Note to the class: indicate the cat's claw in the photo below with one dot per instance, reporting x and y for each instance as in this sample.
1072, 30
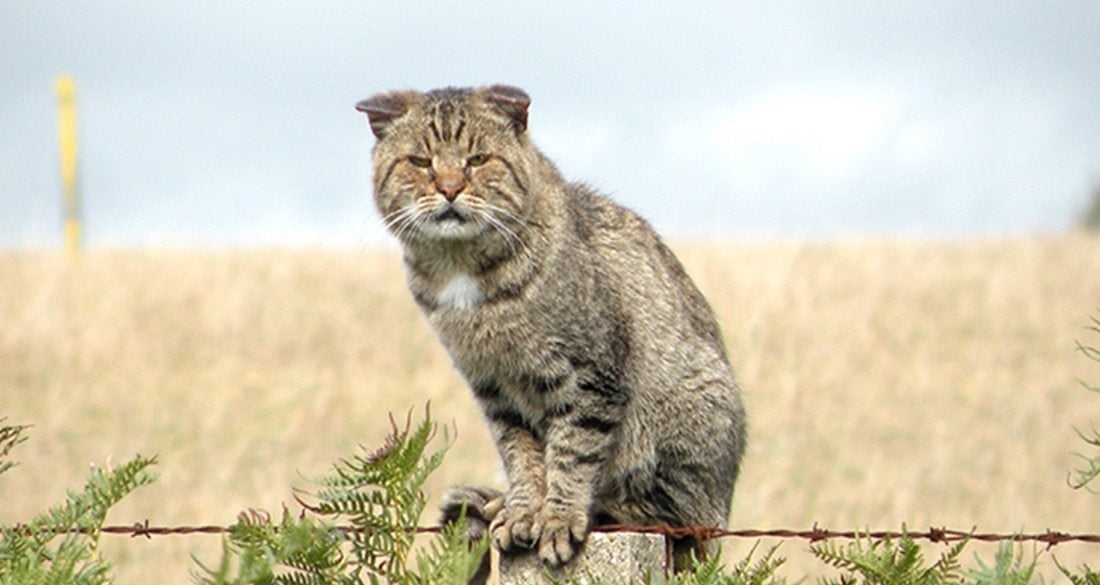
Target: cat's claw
513, 528
560, 535
556, 533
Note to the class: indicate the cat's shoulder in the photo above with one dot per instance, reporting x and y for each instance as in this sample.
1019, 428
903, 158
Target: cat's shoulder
599, 219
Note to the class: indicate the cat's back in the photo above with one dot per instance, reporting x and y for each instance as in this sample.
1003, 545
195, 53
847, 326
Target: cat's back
648, 276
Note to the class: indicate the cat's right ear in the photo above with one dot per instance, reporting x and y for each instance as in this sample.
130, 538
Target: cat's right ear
383, 109
513, 101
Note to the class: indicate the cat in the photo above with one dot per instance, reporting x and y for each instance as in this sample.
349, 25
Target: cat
598, 364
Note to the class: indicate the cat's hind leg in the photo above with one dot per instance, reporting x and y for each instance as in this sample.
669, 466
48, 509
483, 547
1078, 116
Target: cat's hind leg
481, 506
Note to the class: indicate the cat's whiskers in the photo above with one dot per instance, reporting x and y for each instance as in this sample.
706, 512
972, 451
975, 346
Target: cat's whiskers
538, 234
515, 217
391, 220
400, 220
486, 210
502, 211
392, 217
407, 220
423, 210
511, 239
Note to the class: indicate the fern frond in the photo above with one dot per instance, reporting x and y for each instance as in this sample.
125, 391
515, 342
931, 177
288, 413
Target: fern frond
1082, 477
828, 552
948, 569
1085, 576
763, 570
889, 561
449, 558
10, 436
1007, 569
59, 545
379, 493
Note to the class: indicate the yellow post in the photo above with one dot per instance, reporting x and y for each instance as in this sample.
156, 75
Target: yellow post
66, 117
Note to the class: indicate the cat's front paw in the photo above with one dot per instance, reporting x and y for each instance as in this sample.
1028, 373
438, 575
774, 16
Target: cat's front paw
560, 533
513, 527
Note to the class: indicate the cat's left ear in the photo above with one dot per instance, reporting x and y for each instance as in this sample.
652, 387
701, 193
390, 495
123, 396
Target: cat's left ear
513, 101
383, 109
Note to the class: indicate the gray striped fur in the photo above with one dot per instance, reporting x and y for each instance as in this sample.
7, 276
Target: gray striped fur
598, 364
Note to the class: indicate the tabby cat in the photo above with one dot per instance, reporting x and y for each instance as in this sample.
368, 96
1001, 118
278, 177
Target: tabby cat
598, 364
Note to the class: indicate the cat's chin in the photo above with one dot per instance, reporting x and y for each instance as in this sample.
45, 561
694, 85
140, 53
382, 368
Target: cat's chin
451, 229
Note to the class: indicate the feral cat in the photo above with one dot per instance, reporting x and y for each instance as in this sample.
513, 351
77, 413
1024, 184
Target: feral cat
598, 364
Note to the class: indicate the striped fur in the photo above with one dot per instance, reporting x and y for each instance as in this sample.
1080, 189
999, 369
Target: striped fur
598, 364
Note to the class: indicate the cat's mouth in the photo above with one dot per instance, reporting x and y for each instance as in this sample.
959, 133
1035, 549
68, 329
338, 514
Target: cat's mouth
451, 223
449, 214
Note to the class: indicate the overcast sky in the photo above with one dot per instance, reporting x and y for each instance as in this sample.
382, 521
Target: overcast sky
213, 123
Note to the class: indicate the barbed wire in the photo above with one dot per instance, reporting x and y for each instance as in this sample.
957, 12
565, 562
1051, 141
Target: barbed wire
815, 534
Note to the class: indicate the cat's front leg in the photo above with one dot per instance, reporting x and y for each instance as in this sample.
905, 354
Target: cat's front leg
578, 446
514, 526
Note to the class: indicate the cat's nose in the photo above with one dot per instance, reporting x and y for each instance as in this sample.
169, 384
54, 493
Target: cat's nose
450, 185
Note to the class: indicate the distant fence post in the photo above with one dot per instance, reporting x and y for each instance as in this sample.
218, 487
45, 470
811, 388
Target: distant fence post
608, 557
66, 125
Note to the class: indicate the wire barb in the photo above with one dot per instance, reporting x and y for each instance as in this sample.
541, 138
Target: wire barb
816, 533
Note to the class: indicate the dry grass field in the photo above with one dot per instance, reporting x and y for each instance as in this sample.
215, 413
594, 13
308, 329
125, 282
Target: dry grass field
931, 383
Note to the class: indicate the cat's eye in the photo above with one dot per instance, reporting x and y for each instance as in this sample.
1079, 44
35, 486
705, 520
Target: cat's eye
419, 161
477, 160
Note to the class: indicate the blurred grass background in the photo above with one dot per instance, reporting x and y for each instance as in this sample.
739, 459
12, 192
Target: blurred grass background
888, 381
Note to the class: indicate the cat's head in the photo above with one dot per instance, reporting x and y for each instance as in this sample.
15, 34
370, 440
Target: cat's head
451, 164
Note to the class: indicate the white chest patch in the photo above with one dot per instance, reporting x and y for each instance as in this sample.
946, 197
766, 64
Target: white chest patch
460, 293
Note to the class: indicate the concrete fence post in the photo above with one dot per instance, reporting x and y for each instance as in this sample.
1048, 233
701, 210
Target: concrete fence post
612, 557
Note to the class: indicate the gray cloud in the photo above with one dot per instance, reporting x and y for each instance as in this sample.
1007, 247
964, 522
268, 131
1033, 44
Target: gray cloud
214, 124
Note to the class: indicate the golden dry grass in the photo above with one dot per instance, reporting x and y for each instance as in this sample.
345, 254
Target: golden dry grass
888, 382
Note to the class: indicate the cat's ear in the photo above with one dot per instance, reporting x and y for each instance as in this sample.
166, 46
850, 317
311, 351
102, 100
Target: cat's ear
383, 109
513, 101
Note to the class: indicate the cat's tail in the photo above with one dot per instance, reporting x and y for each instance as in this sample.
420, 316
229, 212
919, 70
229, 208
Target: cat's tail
481, 506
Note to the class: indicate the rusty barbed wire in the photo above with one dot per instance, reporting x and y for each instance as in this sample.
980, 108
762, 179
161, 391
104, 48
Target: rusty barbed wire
815, 534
